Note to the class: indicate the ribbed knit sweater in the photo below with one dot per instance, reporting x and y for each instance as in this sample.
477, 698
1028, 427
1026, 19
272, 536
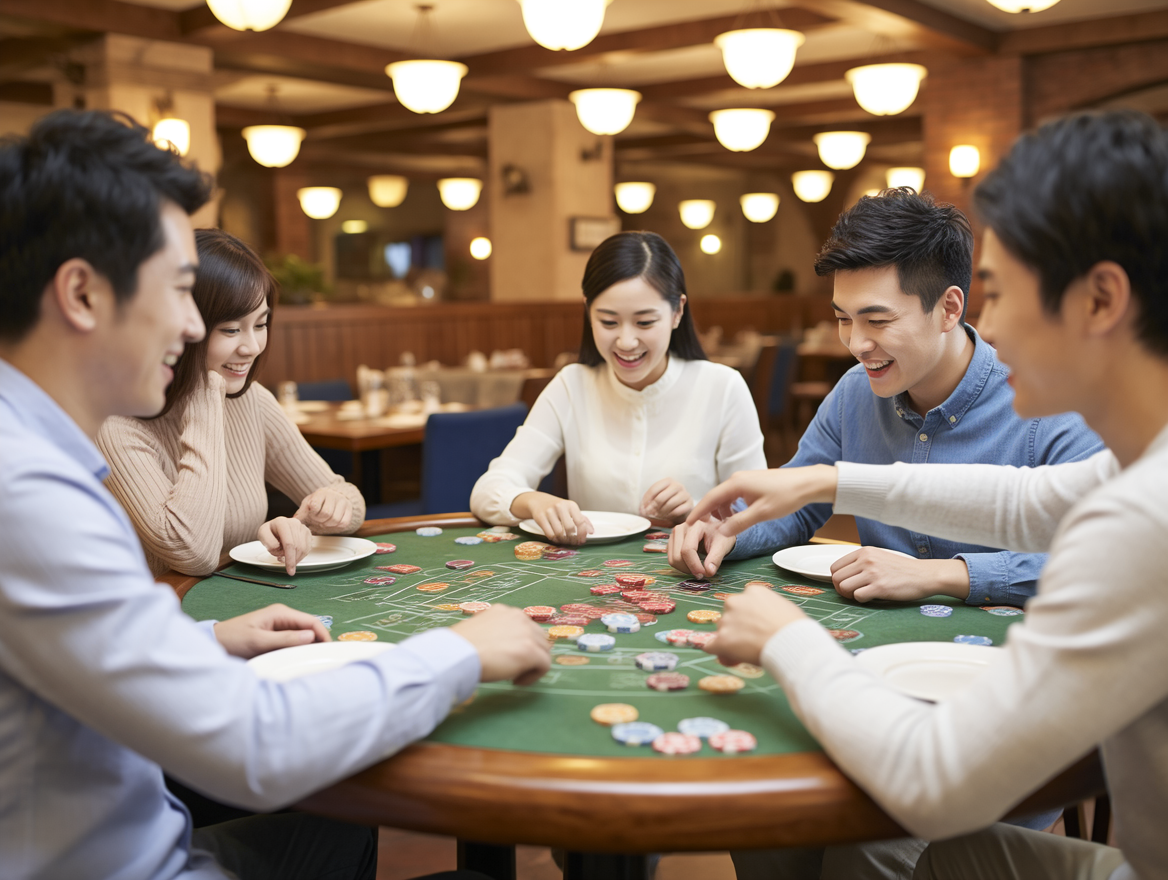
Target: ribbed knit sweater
193, 480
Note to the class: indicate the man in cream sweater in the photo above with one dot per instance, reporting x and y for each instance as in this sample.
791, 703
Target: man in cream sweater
1076, 302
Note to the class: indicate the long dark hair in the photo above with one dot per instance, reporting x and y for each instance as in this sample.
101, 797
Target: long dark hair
638, 255
231, 283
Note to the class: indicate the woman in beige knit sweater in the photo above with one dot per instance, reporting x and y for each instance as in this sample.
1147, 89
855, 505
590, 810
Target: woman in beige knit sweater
192, 478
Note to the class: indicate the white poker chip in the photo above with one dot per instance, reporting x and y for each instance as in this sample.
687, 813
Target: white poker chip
656, 661
468, 540
594, 643
429, 531
702, 726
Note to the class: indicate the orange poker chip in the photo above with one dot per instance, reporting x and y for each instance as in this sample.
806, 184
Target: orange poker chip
844, 635
747, 670
529, 551
704, 615
766, 584
436, 587
361, 635
799, 590
722, 684
722, 596
614, 713
448, 606
572, 660
474, 607
564, 631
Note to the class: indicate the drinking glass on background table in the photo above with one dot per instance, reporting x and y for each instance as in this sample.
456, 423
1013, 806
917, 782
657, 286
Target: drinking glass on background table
288, 396
431, 396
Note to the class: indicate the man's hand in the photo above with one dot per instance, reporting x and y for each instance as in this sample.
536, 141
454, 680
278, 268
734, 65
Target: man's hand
749, 619
325, 509
286, 539
511, 646
872, 573
276, 626
561, 520
768, 494
686, 543
666, 502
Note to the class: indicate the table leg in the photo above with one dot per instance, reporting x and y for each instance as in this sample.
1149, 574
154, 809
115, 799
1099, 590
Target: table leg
497, 862
606, 866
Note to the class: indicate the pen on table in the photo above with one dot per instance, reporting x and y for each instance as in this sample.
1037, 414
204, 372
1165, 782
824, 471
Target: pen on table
236, 577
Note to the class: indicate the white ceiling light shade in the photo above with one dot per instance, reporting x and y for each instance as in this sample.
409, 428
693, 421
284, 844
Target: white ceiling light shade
886, 89
1023, 5
842, 149
906, 176
710, 244
355, 227
387, 190
563, 24
249, 15
605, 111
696, 213
741, 129
319, 202
460, 193
759, 58
635, 197
480, 247
812, 186
273, 146
426, 86
171, 132
964, 161
759, 207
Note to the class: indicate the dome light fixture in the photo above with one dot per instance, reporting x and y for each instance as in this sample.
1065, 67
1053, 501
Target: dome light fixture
319, 202
355, 227
759, 207
812, 186
460, 193
563, 24
273, 146
907, 176
249, 15
172, 133
635, 197
759, 58
426, 85
741, 129
480, 247
886, 89
387, 190
1023, 5
696, 213
842, 149
710, 244
605, 111
964, 161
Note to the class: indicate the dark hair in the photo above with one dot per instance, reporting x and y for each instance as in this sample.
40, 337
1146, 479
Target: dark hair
1084, 189
85, 185
232, 282
930, 244
643, 255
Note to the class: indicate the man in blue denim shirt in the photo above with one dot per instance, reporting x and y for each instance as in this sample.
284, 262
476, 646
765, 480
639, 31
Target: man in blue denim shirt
927, 389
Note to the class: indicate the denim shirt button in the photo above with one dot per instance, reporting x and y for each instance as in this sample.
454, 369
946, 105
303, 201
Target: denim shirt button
924, 438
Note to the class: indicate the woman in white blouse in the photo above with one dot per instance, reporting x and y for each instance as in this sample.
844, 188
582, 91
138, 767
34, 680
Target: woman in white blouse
645, 422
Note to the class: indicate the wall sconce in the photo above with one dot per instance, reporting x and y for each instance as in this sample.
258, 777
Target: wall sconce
480, 247
515, 180
696, 213
319, 202
964, 161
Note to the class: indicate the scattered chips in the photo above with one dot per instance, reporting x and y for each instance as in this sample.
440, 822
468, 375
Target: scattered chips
1002, 610
573, 660
434, 587
381, 580
704, 615
637, 595
679, 637
539, 613
635, 580
722, 684
973, 640
668, 681
663, 636
636, 733
383, 548
658, 606
468, 540
702, 726
936, 610
460, 564
604, 589
800, 590
474, 607
845, 635
565, 631
731, 742
429, 531
401, 568
612, 713
656, 661
360, 635
595, 643
677, 744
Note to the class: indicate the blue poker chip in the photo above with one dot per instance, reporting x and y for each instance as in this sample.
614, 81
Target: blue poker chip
936, 610
621, 623
663, 636
594, 643
429, 531
973, 640
326, 620
656, 661
636, 733
702, 726
468, 540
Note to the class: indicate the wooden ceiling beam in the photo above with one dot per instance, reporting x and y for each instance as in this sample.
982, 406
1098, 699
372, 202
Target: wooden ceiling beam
27, 93
911, 20
99, 16
1094, 33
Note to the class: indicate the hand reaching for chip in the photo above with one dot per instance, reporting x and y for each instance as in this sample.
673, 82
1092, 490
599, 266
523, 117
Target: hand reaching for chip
561, 520
666, 502
511, 646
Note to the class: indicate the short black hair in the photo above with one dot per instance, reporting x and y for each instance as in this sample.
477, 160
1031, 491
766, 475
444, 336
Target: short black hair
1081, 190
89, 185
638, 255
930, 244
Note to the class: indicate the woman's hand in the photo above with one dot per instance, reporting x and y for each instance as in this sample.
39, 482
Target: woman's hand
287, 539
325, 510
561, 520
667, 502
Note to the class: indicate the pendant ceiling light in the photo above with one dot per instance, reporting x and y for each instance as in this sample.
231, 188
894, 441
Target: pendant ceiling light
480, 247
842, 149
319, 202
171, 133
759, 207
741, 129
635, 197
710, 244
387, 190
605, 111
886, 89
912, 177
1023, 5
696, 213
460, 193
759, 58
563, 24
273, 146
426, 86
812, 186
249, 15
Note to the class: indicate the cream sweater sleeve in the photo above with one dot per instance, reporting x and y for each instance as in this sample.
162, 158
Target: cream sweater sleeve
292, 466
177, 506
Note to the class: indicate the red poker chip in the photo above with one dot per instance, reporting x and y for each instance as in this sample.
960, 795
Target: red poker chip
733, 741
589, 573
617, 563
658, 606
400, 568
576, 608
568, 620
680, 637
604, 589
539, 612
631, 580
637, 595
383, 548
677, 744
844, 635
700, 639
668, 681
801, 590
646, 619
657, 536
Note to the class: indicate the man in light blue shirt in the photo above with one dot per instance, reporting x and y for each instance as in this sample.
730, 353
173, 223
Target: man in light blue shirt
103, 680
927, 389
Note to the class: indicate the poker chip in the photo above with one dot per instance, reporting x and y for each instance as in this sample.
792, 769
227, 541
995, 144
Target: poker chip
539, 613
658, 606
428, 531
657, 536
702, 726
468, 540
381, 580
668, 681
845, 635
621, 623
383, 548
749, 670
529, 551
589, 573
617, 563
448, 606
636, 733
700, 639
613, 713
656, 661
565, 631
766, 584
557, 553
572, 660
576, 608
604, 589
677, 744
639, 595
326, 620
472, 576
474, 607
595, 643
704, 615
460, 564
646, 619
360, 635
722, 684
973, 640
722, 596
655, 548
591, 612
802, 591
400, 568
731, 742
679, 637
695, 586
663, 636
434, 587
634, 580
569, 620
936, 610
1002, 610
496, 537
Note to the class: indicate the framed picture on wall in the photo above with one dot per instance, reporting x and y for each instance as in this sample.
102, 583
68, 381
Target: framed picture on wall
587, 232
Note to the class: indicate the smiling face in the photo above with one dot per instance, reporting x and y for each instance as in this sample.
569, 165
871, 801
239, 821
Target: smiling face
632, 325
233, 346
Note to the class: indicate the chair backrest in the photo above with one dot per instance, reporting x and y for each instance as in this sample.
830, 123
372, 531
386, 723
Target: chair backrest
782, 375
457, 450
760, 381
330, 389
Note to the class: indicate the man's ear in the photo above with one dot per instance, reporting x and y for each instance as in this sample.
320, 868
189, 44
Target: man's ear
79, 293
1106, 298
952, 304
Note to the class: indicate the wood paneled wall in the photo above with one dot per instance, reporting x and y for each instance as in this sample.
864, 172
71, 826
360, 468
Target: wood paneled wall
310, 344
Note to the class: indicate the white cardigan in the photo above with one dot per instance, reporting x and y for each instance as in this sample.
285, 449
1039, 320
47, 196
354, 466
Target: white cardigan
697, 423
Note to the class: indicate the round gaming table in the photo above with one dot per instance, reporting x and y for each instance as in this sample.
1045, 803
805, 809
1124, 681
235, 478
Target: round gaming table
528, 766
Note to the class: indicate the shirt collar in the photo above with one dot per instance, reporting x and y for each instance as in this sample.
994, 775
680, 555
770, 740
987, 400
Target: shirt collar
968, 389
652, 392
41, 415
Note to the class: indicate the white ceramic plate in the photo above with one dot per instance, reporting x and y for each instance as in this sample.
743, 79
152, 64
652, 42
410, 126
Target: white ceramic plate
608, 526
327, 552
814, 560
288, 663
929, 670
